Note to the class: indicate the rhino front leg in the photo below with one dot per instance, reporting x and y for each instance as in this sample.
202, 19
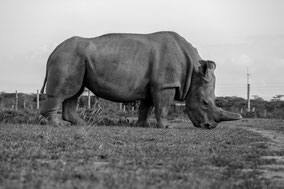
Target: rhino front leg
144, 110
162, 101
69, 111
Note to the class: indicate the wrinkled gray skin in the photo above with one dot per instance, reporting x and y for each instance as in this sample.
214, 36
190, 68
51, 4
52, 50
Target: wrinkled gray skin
153, 68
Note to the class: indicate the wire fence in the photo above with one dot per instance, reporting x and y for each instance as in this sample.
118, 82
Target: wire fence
17, 101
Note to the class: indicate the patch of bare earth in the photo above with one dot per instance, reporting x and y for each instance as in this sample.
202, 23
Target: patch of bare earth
274, 167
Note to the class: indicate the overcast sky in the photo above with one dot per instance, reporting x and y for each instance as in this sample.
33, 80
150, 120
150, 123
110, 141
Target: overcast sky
236, 34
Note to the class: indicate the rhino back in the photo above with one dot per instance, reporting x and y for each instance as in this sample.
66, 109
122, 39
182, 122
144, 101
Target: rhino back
123, 67
117, 68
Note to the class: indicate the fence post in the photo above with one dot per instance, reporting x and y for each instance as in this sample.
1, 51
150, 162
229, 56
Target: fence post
16, 101
24, 102
78, 103
37, 99
89, 99
132, 108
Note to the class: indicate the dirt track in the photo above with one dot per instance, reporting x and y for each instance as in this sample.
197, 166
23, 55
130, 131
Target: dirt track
243, 154
274, 170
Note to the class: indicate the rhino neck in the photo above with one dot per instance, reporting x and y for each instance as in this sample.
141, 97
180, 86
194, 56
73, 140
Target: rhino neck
190, 64
186, 80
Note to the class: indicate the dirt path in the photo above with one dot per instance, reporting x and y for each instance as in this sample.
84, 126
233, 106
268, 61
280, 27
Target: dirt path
275, 169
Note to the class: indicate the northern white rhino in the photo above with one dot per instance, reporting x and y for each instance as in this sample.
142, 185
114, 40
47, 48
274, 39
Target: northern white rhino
154, 68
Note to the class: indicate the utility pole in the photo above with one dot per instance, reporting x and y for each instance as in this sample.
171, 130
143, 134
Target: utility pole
89, 99
37, 99
24, 102
248, 90
16, 100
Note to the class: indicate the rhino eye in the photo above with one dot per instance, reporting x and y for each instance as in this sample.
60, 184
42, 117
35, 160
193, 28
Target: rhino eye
205, 103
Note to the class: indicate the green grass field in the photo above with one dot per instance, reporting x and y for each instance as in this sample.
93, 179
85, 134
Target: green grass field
230, 156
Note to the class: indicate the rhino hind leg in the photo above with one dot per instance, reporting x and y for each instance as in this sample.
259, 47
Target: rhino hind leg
162, 102
144, 110
50, 109
69, 111
64, 85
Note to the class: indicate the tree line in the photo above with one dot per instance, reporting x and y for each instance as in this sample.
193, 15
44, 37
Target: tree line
260, 108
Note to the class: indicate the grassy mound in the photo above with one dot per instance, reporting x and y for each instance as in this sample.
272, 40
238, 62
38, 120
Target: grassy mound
227, 157
21, 117
95, 117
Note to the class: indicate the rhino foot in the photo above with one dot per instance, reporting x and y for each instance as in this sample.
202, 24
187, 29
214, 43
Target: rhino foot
145, 124
162, 125
55, 121
79, 122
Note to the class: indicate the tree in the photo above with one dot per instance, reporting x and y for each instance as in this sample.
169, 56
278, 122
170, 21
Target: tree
277, 98
231, 103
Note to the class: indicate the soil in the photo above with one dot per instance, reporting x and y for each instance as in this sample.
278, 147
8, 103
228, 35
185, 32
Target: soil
275, 168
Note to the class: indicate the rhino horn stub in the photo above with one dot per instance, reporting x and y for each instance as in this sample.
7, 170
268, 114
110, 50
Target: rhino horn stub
228, 116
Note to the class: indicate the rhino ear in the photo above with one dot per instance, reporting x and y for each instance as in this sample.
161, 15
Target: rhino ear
205, 66
211, 64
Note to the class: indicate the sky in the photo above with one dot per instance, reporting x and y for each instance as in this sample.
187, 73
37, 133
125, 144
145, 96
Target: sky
239, 35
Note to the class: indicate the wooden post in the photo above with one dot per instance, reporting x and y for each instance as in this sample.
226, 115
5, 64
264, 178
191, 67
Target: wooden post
78, 101
89, 99
37, 99
120, 106
16, 101
24, 102
132, 108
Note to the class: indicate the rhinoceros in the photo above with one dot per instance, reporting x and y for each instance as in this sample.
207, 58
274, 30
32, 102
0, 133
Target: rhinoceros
154, 68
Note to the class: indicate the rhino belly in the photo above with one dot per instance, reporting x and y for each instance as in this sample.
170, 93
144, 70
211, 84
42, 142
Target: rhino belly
118, 85
118, 68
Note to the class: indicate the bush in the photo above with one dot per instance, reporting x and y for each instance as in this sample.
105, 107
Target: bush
100, 117
21, 117
94, 117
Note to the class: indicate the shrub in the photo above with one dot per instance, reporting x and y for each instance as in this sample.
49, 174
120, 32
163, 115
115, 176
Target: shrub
93, 117
21, 117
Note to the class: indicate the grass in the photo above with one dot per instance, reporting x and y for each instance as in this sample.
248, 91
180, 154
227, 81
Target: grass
93, 117
21, 117
276, 125
42, 156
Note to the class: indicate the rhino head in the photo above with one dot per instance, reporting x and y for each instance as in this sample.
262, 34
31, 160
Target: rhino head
200, 101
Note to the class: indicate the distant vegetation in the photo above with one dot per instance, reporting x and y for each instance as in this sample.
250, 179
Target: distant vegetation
104, 112
260, 108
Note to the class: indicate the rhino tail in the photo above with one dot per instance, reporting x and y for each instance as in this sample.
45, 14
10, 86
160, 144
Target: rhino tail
44, 83
45, 78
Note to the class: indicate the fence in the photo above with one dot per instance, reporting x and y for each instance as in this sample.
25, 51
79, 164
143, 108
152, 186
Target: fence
87, 100
20, 100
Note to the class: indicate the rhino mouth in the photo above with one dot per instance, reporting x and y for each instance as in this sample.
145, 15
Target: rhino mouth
211, 125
